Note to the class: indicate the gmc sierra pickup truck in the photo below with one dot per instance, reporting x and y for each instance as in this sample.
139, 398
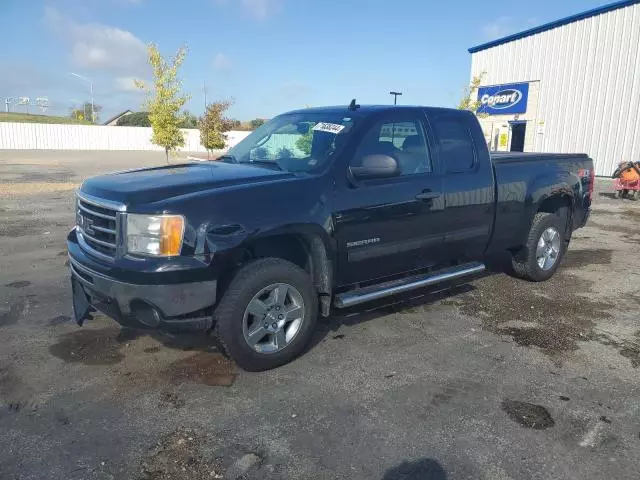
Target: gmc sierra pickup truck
317, 209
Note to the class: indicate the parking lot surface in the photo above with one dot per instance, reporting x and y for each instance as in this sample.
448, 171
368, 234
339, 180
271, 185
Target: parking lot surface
493, 379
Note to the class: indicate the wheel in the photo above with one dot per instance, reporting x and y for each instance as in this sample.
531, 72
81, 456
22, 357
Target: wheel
619, 194
267, 315
544, 248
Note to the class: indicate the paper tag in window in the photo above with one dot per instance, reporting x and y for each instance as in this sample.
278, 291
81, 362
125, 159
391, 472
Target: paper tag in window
328, 127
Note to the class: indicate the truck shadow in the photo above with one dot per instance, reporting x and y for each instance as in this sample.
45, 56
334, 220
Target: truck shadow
422, 469
411, 302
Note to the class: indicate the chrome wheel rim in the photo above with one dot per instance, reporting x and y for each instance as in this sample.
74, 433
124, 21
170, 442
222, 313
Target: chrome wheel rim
273, 318
548, 250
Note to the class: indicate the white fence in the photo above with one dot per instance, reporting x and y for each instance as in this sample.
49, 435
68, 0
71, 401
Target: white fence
40, 136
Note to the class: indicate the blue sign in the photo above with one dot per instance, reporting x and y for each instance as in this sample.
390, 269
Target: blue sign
504, 99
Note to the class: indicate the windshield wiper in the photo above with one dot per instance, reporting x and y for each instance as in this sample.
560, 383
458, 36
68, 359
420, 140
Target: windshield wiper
266, 163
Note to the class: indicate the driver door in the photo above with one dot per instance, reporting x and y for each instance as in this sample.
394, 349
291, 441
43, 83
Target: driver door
389, 226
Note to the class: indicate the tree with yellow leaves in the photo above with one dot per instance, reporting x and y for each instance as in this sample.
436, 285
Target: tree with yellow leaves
469, 100
165, 99
214, 124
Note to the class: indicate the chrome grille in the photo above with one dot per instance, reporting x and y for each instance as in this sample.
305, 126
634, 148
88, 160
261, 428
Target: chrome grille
97, 223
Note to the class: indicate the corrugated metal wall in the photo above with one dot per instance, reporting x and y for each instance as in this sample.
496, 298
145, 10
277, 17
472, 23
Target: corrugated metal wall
589, 74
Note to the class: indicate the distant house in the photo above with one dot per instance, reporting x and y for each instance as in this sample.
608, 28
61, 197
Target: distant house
113, 121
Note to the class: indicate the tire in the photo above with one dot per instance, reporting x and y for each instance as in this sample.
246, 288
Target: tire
232, 315
525, 263
619, 194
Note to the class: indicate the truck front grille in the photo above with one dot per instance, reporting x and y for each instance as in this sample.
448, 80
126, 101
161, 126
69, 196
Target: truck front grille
97, 223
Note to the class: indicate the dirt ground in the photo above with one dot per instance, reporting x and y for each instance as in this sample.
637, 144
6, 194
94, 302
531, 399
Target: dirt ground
495, 379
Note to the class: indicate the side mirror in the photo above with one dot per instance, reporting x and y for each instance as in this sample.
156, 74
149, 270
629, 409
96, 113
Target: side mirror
376, 166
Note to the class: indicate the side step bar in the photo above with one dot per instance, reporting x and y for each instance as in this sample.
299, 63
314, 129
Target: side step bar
374, 292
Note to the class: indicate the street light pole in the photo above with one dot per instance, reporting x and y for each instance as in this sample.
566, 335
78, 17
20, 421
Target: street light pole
93, 113
395, 96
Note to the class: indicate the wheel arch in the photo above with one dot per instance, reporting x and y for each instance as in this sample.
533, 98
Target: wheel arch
307, 246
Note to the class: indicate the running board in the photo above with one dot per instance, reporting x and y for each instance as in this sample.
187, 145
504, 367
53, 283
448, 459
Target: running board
374, 292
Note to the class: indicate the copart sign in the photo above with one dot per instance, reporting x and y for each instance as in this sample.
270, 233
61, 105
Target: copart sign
504, 99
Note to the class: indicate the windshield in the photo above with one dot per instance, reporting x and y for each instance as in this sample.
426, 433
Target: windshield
294, 142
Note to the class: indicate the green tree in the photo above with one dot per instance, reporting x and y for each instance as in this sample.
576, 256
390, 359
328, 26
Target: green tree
165, 99
304, 142
470, 100
135, 119
214, 124
84, 112
256, 122
190, 120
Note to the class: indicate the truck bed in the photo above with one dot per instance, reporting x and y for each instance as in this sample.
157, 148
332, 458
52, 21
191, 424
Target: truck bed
509, 157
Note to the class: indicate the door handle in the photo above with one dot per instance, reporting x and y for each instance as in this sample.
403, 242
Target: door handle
428, 195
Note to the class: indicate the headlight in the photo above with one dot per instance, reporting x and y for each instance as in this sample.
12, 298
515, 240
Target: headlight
158, 235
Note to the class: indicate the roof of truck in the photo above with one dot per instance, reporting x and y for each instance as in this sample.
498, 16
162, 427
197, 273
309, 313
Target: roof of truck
362, 109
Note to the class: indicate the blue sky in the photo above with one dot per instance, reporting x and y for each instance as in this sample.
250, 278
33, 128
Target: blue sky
268, 55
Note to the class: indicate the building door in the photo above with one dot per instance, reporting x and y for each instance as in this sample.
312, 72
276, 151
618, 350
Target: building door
518, 130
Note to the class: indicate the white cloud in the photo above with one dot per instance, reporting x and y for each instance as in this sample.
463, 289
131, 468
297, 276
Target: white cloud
500, 27
257, 9
221, 62
99, 47
126, 84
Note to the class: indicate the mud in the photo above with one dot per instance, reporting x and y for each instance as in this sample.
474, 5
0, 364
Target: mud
180, 456
627, 348
211, 369
584, 258
631, 214
89, 347
615, 228
19, 284
528, 415
558, 310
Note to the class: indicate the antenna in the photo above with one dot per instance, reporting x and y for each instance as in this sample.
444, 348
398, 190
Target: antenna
353, 106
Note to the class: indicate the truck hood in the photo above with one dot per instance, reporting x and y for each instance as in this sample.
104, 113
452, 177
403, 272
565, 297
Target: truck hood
149, 185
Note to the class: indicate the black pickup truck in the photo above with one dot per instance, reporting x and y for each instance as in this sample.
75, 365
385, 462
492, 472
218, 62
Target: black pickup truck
317, 209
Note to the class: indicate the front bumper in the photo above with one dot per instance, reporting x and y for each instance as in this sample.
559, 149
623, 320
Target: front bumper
181, 305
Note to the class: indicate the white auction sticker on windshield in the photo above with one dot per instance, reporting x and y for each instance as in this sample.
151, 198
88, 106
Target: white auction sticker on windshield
328, 127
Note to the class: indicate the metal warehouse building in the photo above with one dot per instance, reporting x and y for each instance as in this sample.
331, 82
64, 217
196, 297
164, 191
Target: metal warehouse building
568, 86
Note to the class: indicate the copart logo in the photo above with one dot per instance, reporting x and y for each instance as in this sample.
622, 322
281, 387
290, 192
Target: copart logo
502, 99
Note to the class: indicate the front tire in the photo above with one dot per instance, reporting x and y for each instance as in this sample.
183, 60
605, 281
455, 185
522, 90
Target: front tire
267, 315
544, 248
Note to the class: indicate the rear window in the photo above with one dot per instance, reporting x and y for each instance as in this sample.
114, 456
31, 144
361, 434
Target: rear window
456, 144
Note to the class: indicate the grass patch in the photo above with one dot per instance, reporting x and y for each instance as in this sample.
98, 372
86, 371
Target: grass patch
34, 118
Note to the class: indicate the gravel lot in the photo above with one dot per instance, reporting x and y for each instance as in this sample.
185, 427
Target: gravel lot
495, 379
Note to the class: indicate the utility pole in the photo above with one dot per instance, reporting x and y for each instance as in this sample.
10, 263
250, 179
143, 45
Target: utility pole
93, 113
395, 96
204, 117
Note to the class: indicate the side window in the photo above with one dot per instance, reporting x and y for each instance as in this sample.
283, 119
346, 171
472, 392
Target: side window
403, 140
456, 144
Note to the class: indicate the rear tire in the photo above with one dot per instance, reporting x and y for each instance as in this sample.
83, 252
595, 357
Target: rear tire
259, 282
544, 248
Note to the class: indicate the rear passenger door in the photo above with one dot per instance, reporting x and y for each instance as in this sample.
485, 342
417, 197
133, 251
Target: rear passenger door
389, 226
468, 183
